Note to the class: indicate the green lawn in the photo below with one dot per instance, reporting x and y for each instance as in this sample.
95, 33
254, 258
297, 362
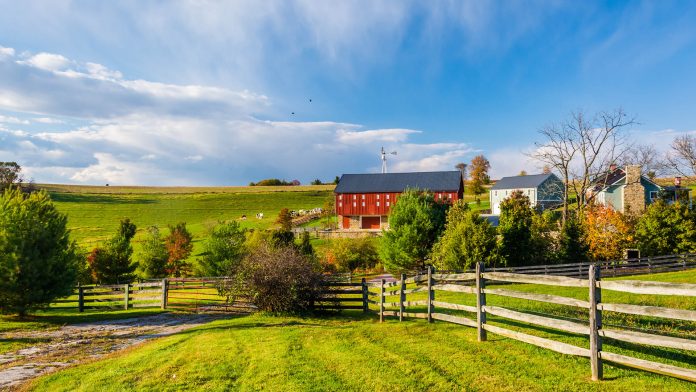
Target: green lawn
355, 352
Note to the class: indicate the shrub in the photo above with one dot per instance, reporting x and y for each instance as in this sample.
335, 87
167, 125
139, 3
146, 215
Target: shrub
281, 280
572, 247
153, 261
666, 229
349, 254
223, 250
415, 223
112, 263
284, 220
305, 247
467, 239
38, 262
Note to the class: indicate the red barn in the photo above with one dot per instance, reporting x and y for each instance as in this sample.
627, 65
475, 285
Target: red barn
363, 201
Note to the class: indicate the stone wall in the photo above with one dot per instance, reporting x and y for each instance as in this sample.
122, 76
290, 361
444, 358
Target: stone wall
633, 192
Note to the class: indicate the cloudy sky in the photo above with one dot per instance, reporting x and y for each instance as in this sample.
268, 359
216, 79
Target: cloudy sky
218, 93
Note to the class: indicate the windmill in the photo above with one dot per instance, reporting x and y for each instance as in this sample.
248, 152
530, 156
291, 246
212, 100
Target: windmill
384, 159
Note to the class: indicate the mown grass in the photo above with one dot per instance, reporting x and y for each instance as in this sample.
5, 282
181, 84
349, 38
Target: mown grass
352, 351
357, 353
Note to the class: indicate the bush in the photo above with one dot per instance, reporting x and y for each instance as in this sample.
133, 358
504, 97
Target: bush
572, 247
467, 239
516, 246
608, 232
415, 223
281, 280
38, 262
223, 250
349, 254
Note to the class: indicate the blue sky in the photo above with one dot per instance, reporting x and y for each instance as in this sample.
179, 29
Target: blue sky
202, 92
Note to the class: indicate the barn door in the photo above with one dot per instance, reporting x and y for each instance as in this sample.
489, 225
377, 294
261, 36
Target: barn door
370, 222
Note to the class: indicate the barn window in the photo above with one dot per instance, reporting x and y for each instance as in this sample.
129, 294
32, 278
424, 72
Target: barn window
377, 204
363, 204
340, 197
387, 197
363, 197
387, 204
340, 204
450, 195
377, 196
354, 196
355, 204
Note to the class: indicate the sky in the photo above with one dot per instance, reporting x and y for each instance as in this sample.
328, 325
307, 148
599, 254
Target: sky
228, 92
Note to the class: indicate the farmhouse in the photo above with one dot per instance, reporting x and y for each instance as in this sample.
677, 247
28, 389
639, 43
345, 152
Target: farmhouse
543, 190
628, 191
363, 201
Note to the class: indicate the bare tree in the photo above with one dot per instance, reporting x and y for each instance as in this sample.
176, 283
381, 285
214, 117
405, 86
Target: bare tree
582, 149
682, 157
461, 166
647, 157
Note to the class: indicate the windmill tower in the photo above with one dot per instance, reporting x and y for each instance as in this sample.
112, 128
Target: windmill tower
384, 160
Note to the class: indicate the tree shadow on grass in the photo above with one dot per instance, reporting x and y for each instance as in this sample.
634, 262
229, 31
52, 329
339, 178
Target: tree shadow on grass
99, 199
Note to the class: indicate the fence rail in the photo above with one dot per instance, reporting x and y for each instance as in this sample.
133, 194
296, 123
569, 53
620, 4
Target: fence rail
591, 328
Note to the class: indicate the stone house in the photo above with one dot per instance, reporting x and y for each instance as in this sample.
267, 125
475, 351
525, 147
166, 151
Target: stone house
544, 190
627, 190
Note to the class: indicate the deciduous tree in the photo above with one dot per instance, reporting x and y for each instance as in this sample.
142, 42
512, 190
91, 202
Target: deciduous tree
608, 232
154, 256
666, 229
10, 174
224, 250
179, 246
479, 174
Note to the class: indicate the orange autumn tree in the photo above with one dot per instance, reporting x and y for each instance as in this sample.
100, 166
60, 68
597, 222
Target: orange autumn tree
608, 232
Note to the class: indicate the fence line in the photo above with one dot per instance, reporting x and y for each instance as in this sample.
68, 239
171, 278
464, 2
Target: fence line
592, 328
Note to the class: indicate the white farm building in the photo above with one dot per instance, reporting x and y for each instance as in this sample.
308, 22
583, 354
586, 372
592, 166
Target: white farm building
543, 190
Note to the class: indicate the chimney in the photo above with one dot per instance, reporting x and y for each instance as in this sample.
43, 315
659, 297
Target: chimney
612, 167
677, 181
634, 192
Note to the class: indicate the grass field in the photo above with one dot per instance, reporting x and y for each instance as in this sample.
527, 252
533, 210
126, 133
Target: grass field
355, 352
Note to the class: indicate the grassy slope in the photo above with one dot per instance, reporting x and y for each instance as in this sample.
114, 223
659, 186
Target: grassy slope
358, 353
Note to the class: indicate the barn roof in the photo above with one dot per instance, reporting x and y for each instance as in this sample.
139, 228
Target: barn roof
521, 182
449, 181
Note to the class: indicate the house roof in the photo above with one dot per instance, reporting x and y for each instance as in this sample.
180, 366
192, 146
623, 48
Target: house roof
520, 182
612, 177
398, 182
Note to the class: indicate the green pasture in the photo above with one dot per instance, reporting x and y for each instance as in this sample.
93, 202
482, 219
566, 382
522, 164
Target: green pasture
353, 351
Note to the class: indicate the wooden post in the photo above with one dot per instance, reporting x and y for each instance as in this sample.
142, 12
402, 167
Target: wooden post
595, 324
164, 293
402, 297
364, 295
480, 302
80, 298
381, 300
431, 294
126, 295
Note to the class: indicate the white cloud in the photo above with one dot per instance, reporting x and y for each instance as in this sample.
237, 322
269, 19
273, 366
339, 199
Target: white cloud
6, 52
375, 135
48, 62
47, 120
12, 120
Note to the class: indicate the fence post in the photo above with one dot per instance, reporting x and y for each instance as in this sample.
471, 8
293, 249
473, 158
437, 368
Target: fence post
480, 302
80, 298
683, 262
402, 297
595, 324
364, 294
381, 300
126, 295
164, 293
431, 294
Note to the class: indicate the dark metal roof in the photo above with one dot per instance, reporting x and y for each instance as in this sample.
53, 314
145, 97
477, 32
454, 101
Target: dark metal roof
449, 181
519, 182
607, 179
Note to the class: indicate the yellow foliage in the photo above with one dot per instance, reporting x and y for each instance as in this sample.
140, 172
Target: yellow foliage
608, 232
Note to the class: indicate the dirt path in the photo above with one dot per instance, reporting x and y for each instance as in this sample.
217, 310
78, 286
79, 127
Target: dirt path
74, 344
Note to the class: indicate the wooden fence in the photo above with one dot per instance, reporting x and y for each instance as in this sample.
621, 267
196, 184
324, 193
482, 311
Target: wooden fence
340, 295
431, 282
639, 266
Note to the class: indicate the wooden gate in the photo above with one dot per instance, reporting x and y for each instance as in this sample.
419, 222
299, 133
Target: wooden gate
202, 295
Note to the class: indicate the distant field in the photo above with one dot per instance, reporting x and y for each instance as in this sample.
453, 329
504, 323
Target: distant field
94, 212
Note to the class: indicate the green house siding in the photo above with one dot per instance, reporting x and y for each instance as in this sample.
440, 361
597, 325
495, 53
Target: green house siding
649, 187
613, 195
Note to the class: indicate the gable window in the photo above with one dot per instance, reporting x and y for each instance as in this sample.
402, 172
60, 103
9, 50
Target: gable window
653, 196
363, 204
377, 204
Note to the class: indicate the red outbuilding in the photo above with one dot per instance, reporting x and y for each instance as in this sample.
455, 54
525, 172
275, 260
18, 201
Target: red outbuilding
363, 201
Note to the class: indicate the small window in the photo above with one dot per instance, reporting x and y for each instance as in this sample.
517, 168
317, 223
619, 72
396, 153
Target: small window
363, 204
340, 204
355, 204
354, 197
653, 195
495, 193
340, 197
450, 196
377, 204
377, 196
363, 197
387, 204
387, 197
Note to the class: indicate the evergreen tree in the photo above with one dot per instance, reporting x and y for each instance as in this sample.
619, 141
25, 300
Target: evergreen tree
305, 245
284, 220
112, 264
415, 223
572, 247
38, 262
153, 262
666, 229
467, 239
515, 245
